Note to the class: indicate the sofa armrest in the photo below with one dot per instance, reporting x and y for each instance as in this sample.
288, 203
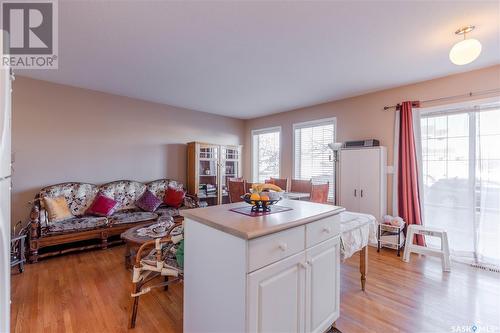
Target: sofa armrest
34, 224
191, 201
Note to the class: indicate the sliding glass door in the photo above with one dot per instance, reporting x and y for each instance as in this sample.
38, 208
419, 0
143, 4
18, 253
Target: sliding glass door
461, 176
487, 193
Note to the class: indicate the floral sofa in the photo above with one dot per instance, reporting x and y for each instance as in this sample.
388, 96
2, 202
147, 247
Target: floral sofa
81, 232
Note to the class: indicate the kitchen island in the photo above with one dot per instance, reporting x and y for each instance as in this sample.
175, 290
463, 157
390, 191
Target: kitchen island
272, 273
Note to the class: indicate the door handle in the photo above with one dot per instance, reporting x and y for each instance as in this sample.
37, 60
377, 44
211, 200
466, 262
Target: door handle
355, 191
361, 193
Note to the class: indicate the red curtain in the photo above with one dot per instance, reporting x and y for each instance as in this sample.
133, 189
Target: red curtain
408, 196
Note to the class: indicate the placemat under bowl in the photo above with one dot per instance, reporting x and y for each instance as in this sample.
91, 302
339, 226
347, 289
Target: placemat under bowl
247, 210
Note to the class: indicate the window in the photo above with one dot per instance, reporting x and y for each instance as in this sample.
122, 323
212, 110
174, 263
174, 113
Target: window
461, 176
266, 154
313, 158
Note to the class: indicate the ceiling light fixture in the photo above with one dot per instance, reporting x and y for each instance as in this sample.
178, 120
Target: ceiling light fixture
467, 50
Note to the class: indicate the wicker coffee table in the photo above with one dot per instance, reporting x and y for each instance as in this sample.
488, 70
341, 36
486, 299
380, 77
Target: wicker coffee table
133, 242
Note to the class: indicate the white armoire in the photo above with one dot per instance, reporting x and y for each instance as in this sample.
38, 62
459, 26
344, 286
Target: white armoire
363, 180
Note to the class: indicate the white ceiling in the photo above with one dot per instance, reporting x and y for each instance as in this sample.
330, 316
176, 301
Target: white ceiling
248, 59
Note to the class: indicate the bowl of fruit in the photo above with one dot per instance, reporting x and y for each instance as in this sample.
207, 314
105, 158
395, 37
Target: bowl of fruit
263, 196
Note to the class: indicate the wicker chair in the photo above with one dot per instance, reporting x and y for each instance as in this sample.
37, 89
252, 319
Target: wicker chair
161, 261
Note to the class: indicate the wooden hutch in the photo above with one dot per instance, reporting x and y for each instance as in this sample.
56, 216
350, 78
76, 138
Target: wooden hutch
210, 167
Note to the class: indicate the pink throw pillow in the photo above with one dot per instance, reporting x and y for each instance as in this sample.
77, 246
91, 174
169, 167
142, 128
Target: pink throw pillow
102, 206
174, 197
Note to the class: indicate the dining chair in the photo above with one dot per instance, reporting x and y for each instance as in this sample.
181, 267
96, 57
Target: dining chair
248, 187
239, 179
301, 186
236, 190
280, 182
319, 193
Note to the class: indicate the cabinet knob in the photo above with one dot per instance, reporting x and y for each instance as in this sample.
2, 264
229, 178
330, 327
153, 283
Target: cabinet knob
283, 246
303, 265
327, 230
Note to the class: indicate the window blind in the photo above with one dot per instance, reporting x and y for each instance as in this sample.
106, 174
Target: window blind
313, 158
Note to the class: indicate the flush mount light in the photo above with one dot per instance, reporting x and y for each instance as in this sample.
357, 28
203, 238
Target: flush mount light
467, 50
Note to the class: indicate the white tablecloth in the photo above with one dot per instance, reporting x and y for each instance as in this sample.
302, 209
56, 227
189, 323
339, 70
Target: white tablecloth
357, 230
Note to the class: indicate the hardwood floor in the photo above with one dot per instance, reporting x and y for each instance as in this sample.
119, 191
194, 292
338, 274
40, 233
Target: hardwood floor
89, 292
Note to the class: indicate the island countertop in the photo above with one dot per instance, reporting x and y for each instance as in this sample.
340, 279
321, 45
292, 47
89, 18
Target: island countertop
248, 227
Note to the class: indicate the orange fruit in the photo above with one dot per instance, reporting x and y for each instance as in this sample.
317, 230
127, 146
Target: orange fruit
264, 197
255, 196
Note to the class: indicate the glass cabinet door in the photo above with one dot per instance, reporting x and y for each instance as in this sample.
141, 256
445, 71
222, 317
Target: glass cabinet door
208, 173
230, 168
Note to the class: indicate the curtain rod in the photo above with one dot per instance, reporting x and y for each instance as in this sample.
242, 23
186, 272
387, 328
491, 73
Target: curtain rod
470, 94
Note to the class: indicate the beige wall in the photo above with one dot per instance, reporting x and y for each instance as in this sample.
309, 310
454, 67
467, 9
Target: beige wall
61, 133
363, 117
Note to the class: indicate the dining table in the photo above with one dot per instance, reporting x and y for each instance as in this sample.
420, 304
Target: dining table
297, 195
357, 232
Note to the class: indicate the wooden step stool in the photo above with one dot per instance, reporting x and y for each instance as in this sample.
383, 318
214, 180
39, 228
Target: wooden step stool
444, 252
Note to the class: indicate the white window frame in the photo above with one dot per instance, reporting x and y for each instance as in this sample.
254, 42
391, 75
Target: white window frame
254, 152
311, 123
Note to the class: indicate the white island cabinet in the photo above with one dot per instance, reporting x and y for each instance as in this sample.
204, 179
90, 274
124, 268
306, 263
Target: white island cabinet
273, 273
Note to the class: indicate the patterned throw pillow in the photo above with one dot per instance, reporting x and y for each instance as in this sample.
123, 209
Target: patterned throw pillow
103, 206
174, 196
148, 202
57, 209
